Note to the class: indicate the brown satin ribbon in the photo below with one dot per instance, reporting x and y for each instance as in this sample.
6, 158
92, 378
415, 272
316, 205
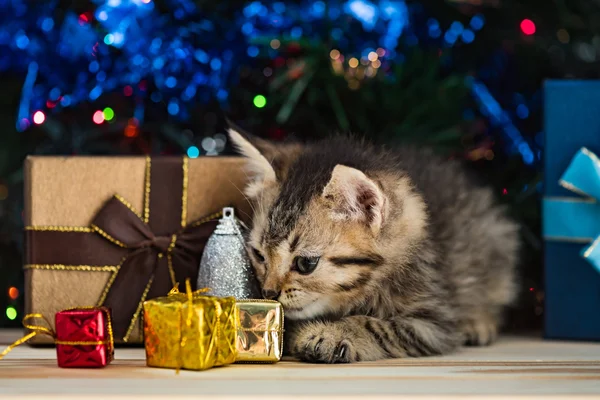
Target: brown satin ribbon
141, 249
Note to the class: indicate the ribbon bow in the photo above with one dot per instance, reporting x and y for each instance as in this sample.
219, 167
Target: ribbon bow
48, 331
577, 220
153, 264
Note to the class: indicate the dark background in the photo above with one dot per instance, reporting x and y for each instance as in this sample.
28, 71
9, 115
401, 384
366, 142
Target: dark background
159, 76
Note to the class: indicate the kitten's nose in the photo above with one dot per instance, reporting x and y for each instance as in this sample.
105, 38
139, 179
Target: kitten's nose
270, 294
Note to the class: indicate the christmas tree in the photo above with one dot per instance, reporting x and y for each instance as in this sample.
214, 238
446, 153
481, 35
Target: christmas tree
161, 77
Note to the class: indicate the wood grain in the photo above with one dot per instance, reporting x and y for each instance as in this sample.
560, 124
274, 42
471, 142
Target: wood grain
513, 368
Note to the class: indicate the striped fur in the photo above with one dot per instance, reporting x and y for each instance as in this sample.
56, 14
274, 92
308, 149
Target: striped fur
414, 259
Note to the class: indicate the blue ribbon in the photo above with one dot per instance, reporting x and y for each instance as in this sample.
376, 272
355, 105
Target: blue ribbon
576, 219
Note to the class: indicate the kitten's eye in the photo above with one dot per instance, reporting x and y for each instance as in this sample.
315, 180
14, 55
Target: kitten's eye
305, 265
258, 255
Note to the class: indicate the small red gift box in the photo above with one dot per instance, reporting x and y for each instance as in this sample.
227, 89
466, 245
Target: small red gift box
84, 338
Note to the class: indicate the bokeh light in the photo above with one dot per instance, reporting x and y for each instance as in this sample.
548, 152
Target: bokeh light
193, 152
528, 27
39, 117
13, 293
260, 101
98, 117
11, 313
108, 113
131, 130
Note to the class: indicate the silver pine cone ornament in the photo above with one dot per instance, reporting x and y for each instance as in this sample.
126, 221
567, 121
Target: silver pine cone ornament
225, 268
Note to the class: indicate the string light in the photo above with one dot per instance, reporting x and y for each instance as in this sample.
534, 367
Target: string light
389, 20
528, 27
11, 313
39, 117
98, 117
259, 101
108, 113
193, 152
13, 293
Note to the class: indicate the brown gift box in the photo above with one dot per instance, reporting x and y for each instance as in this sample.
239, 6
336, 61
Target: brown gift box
87, 245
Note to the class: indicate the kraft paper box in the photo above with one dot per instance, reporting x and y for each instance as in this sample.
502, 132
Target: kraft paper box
572, 219
115, 231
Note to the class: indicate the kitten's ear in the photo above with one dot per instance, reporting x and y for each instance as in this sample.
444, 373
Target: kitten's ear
351, 195
267, 162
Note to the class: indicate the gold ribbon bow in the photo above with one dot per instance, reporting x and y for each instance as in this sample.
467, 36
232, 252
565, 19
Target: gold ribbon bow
42, 330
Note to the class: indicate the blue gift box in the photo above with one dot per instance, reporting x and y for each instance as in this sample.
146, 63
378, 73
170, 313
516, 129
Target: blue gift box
571, 215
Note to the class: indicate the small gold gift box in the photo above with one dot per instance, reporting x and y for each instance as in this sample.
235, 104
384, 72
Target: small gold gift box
259, 331
190, 331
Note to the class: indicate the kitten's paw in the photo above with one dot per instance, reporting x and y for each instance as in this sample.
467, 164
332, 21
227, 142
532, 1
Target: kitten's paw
324, 343
480, 332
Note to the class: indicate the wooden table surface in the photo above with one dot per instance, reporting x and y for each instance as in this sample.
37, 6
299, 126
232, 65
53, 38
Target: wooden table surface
513, 368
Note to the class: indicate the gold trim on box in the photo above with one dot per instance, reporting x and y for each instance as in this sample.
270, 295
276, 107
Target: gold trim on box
108, 237
84, 229
128, 205
109, 284
147, 191
137, 311
170, 260
209, 218
60, 267
184, 195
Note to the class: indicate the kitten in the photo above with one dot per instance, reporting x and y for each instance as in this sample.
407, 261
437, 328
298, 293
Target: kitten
376, 254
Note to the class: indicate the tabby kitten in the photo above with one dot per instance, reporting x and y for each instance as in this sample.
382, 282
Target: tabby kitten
376, 254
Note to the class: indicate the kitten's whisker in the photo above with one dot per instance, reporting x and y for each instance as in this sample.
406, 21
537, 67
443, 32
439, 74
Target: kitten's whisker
245, 197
